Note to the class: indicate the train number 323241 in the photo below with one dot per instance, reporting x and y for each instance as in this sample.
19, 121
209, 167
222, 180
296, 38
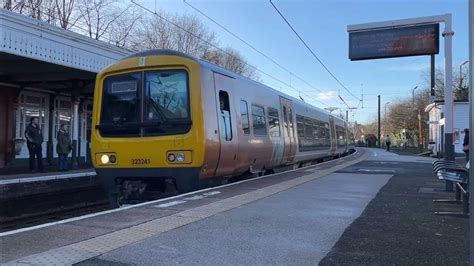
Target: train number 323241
140, 161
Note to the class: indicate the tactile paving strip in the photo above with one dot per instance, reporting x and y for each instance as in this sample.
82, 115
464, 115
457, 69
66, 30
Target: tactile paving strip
97, 246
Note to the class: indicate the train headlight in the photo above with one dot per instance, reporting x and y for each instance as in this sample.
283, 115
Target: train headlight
180, 157
112, 159
104, 159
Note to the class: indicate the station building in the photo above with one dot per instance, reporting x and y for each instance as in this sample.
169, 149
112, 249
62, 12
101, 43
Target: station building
47, 72
436, 125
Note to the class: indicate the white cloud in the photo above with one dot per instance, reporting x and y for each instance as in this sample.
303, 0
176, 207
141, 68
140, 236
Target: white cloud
327, 95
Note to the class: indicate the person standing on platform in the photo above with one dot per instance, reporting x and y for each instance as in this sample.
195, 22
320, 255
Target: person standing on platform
465, 144
388, 142
34, 139
64, 147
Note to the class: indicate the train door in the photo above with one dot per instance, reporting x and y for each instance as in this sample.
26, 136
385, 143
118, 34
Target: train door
289, 147
227, 125
332, 128
274, 125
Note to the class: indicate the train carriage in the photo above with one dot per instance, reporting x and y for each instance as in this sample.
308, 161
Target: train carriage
161, 115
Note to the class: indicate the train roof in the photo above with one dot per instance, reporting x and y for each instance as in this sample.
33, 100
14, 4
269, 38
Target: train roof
209, 65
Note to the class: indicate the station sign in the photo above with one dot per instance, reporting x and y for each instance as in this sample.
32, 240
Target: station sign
394, 42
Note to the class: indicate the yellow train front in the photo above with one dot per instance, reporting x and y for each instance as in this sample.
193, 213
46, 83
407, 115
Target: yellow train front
148, 124
163, 117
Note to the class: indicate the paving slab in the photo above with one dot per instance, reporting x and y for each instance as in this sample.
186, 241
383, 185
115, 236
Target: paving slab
102, 243
399, 226
23, 244
296, 226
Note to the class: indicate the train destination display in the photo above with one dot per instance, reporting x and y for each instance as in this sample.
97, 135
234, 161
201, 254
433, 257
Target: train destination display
394, 42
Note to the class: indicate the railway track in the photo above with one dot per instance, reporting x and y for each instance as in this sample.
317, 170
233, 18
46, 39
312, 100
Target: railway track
58, 205
38, 208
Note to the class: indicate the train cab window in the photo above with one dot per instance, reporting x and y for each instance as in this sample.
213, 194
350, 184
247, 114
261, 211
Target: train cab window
121, 105
258, 119
244, 116
225, 119
165, 103
166, 95
273, 122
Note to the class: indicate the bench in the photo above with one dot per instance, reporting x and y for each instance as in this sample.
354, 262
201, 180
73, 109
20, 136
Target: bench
455, 174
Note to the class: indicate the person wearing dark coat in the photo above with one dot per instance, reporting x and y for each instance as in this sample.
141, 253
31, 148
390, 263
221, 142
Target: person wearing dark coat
34, 139
63, 148
465, 143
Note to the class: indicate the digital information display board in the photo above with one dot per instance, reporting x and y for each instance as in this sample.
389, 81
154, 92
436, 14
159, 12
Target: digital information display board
394, 42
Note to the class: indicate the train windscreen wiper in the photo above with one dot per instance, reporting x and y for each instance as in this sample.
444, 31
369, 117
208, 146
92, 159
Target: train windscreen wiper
158, 110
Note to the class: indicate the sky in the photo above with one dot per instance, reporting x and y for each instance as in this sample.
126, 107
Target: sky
323, 26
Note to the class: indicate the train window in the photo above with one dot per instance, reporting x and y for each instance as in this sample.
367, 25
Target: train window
244, 116
300, 126
273, 122
258, 119
166, 95
121, 104
226, 123
341, 135
316, 129
313, 134
308, 128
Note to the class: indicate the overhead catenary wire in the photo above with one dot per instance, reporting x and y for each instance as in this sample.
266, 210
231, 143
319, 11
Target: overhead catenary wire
223, 51
250, 45
311, 51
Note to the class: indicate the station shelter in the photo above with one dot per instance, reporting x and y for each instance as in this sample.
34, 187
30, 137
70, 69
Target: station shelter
436, 125
47, 72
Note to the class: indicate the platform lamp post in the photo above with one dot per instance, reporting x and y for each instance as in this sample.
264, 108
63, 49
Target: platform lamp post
420, 142
413, 96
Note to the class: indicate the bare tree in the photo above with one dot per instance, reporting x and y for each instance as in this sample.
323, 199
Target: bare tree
402, 118
231, 60
123, 31
99, 15
181, 33
64, 10
460, 83
35, 8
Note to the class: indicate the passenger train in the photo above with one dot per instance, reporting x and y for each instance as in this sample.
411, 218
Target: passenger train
164, 115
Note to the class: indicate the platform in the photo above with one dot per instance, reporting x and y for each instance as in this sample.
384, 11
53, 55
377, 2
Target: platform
298, 217
36, 177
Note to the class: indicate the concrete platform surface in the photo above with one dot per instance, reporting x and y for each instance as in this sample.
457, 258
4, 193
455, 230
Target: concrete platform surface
35, 177
297, 226
136, 223
297, 217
